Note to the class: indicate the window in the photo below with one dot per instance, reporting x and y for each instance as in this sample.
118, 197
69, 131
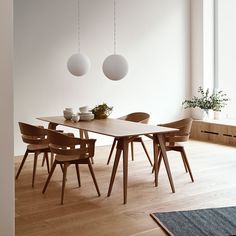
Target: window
225, 51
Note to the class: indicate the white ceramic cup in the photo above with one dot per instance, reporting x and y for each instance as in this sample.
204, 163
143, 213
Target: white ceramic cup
67, 115
75, 117
84, 109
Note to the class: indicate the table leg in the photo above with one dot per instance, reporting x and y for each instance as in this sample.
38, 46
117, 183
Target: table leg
161, 142
86, 134
155, 152
125, 169
122, 145
114, 169
81, 134
52, 125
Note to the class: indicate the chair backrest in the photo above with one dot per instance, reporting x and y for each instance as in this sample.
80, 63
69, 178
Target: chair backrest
65, 145
33, 134
184, 127
139, 117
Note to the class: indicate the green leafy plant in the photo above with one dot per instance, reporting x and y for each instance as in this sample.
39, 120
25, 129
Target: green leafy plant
102, 111
215, 101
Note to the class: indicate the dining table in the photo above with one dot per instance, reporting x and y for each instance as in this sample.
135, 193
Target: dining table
124, 132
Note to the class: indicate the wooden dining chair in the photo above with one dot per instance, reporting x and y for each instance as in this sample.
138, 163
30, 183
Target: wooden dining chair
174, 139
83, 135
36, 138
139, 117
70, 150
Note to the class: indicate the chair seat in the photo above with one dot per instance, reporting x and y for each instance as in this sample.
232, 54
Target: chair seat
69, 158
37, 147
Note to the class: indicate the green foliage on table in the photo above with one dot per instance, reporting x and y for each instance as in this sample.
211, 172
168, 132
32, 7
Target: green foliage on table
215, 101
102, 111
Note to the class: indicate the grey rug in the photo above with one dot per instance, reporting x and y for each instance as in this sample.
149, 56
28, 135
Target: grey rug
204, 222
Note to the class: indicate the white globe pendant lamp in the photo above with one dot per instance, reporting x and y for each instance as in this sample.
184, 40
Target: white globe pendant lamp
78, 64
115, 67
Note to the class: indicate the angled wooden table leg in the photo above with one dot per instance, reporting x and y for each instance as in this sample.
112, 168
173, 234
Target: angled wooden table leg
122, 146
81, 133
114, 169
161, 141
125, 144
86, 134
52, 125
155, 153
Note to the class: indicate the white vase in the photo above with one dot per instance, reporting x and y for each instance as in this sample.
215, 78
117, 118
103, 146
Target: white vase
208, 114
217, 115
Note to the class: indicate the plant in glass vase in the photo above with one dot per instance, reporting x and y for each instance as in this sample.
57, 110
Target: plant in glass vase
206, 101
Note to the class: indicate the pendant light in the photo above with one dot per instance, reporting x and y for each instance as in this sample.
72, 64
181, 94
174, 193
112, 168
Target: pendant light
78, 64
115, 66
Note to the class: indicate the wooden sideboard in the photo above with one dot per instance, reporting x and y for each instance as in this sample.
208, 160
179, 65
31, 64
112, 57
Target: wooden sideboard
216, 131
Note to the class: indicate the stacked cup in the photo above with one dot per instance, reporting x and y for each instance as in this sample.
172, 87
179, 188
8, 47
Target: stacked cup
68, 112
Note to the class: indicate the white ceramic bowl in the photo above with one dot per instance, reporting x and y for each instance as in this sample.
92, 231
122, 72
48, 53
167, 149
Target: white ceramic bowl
87, 117
84, 109
85, 113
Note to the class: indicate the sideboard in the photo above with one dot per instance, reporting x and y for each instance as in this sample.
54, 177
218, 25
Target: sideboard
216, 131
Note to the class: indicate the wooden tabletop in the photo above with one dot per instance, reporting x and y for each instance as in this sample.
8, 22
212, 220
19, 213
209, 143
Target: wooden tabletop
110, 127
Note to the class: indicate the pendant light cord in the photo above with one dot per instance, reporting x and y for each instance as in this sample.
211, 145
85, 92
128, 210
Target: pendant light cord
114, 27
78, 25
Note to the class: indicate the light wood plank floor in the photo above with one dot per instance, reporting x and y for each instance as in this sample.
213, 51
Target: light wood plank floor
85, 214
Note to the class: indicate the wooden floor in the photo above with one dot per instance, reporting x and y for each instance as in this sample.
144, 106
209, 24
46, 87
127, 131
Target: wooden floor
85, 214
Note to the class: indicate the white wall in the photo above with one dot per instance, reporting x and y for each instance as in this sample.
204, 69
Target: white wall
152, 34
7, 200
197, 69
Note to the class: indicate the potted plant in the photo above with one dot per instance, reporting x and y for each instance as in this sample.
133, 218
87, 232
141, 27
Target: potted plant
101, 111
206, 101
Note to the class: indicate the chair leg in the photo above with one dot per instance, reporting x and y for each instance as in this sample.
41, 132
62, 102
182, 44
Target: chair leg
61, 165
159, 161
51, 159
22, 164
63, 182
94, 178
43, 161
180, 149
78, 174
112, 148
49, 176
34, 168
187, 164
47, 161
145, 150
132, 150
